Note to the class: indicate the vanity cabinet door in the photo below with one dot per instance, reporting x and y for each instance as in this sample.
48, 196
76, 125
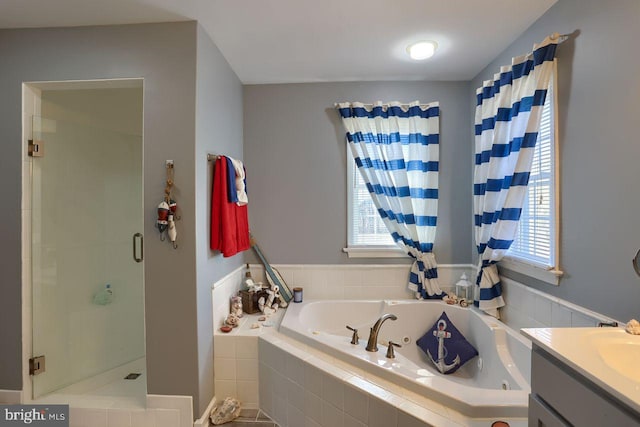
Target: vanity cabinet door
540, 415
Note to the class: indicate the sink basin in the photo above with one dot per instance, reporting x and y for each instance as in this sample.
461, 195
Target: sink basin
621, 354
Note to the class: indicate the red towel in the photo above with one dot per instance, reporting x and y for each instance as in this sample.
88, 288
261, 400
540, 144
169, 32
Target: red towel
229, 222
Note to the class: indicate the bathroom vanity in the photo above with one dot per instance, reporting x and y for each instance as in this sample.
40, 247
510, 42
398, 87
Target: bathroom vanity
584, 377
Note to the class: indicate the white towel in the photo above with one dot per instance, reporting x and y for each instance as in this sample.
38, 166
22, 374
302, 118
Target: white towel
243, 199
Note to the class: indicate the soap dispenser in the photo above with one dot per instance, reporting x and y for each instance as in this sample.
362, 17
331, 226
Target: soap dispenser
464, 289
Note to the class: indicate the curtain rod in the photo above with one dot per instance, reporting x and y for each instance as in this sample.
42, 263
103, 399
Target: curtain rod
559, 37
336, 104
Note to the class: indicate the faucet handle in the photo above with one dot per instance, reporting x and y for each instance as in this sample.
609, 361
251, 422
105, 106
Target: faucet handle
354, 338
390, 353
612, 324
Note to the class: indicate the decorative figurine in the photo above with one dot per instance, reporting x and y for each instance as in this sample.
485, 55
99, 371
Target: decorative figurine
236, 306
232, 320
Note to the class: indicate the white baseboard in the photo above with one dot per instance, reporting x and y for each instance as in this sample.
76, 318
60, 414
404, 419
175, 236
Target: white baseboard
203, 421
9, 397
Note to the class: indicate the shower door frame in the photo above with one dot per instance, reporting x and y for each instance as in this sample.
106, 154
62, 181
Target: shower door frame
31, 106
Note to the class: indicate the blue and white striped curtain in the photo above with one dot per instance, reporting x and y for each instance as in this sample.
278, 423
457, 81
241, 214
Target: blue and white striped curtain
507, 122
396, 149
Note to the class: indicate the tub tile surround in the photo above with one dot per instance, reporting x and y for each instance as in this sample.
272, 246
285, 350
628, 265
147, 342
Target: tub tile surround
358, 281
525, 307
236, 360
296, 385
530, 308
332, 393
235, 354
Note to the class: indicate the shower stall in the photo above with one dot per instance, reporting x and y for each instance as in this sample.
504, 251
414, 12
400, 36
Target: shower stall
84, 191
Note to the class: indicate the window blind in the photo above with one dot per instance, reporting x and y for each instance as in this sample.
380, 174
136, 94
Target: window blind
534, 241
366, 227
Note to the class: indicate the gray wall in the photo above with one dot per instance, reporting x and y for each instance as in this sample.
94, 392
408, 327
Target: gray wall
296, 167
165, 56
599, 106
218, 131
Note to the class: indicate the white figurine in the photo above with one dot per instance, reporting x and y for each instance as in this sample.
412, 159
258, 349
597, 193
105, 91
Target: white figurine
232, 320
236, 306
172, 232
265, 308
253, 286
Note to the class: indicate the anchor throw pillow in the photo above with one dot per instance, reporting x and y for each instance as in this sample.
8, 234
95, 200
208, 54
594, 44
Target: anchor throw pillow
445, 346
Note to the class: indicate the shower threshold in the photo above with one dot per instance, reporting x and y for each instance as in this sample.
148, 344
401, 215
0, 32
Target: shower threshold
109, 389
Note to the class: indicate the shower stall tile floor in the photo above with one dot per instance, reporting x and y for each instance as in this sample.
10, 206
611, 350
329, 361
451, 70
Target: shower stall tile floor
250, 417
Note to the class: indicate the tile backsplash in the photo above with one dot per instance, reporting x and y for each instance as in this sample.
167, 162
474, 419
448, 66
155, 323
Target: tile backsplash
530, 308
358, 281
525, 307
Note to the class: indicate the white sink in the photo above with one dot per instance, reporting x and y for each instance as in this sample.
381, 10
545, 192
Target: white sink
621, 355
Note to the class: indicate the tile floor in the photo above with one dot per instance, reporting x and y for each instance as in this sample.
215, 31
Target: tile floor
249, 418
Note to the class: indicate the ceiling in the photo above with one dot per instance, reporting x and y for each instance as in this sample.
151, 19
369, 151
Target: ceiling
292, 41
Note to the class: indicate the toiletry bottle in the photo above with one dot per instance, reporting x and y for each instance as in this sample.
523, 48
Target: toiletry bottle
248, 280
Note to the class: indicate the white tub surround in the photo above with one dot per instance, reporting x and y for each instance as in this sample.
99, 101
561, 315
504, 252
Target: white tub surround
235, 354
530, 308
359, 281
493, 385
221, 293
300, 386
235, 360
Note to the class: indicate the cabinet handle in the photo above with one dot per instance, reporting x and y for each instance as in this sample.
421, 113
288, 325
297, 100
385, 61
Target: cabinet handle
137, 258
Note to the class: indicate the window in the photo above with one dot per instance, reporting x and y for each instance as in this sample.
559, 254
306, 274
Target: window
367, 236
534, 251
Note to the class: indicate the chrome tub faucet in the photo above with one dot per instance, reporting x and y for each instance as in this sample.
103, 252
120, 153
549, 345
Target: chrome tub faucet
372, 344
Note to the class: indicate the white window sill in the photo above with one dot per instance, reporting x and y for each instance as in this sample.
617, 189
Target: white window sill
545, 274
375, 252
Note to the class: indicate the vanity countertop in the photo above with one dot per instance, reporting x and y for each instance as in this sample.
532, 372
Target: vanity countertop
609, 357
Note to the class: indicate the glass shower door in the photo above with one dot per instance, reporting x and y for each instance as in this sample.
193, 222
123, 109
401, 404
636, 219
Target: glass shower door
87, 289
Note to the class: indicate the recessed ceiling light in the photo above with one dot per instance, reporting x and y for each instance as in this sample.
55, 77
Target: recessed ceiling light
422, 50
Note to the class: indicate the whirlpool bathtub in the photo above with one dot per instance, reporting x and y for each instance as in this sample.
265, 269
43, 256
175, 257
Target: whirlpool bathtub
495, 383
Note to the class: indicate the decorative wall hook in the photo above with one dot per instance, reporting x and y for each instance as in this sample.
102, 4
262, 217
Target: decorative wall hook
163, 215
167, 209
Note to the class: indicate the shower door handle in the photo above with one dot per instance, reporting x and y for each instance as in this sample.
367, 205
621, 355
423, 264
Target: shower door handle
137, 258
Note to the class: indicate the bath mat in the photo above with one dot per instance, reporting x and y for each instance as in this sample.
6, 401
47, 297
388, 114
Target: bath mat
445, 346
